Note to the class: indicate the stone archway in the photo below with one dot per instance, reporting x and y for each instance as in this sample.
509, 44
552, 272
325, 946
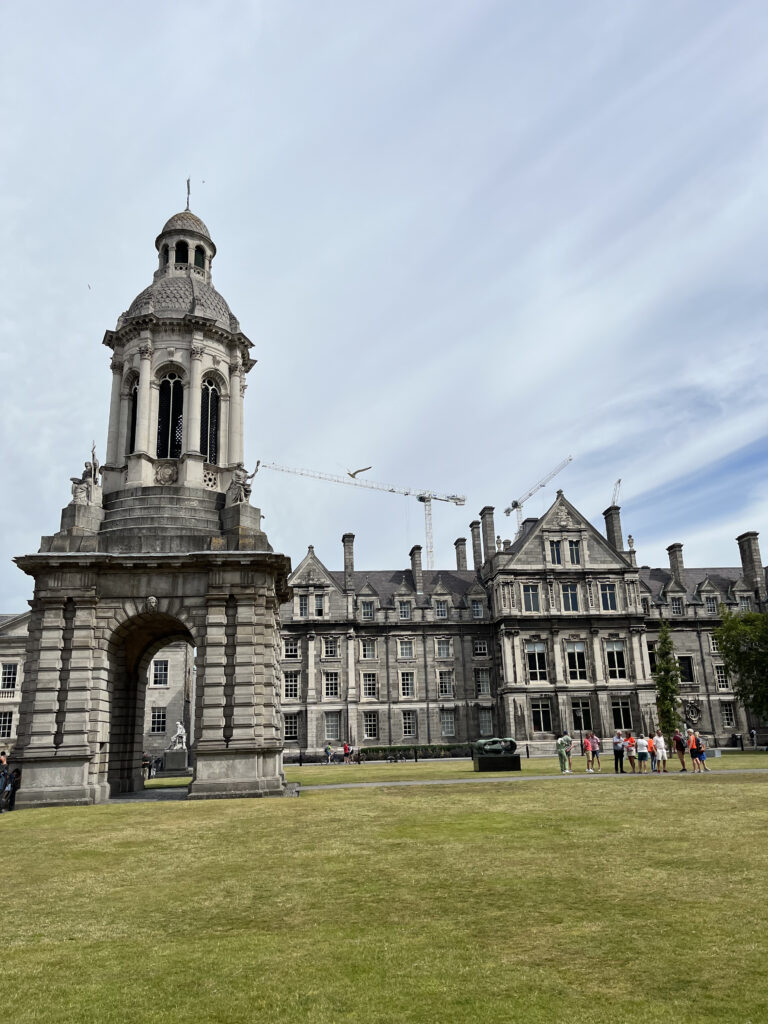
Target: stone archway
130, 650
97, 619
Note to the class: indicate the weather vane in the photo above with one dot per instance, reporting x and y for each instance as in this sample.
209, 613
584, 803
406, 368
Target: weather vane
187, 193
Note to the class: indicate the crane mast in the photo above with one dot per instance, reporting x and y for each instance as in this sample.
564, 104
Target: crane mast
517, 504
424, 495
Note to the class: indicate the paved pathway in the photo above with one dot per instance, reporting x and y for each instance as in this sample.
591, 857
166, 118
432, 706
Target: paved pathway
525, 778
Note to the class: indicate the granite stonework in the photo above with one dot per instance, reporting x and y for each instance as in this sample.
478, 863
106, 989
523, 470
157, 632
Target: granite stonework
159, 546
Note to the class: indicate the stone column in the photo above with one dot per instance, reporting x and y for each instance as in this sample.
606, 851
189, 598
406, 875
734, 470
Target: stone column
557, 653
210, 724
248, 717
352, 693
192, 417
235, 452
224, 430
506, 659
597, 656
518, 665
46, 631
311, 674
143, 404
113, 432
123, 429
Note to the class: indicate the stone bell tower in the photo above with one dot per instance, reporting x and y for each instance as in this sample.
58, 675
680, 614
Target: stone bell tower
159, 544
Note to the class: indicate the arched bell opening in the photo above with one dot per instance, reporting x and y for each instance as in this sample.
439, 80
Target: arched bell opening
182, 252
200, 257
132, 650
170, 422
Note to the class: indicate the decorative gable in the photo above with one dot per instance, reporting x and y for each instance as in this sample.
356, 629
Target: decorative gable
311, 572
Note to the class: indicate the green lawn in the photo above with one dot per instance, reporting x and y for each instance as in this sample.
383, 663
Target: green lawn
544, 902
409, 771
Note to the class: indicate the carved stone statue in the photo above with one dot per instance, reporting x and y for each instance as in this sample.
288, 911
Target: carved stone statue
86, 488
239, 490
179, 739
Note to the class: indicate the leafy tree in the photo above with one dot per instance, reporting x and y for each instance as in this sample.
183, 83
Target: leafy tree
743, 643
666, 675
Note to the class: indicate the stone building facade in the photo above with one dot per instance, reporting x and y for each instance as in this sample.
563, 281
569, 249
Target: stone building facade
553, 631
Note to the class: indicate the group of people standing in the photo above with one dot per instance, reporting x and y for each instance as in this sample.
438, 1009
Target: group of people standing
644, 754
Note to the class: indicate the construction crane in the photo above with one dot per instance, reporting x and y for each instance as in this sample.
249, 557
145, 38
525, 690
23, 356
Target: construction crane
616, 489
421, 494
517, 505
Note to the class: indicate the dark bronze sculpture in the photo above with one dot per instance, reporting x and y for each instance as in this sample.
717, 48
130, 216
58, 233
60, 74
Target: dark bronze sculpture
496, 747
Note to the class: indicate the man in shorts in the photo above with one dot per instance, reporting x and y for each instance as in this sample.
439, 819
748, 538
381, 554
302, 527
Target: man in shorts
661, 751
641, 745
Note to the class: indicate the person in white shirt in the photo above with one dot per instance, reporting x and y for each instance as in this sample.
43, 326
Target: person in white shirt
642, 753
661, 751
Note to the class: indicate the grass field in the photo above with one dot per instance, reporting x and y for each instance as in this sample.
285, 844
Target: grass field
543, 902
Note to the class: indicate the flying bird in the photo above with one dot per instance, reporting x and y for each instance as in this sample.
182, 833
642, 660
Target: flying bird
363, 470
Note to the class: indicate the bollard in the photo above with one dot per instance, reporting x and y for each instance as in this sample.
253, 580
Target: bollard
300, 760
527, 751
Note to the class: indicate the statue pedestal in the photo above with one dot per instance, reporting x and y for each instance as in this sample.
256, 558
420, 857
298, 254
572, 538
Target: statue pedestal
176, 761
497, 763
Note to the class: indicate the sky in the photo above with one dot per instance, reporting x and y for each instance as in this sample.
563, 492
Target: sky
467, 240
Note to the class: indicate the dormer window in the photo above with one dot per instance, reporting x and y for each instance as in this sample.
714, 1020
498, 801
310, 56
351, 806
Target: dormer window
366, 609
303, 606
574, 550
200, 257
182, 252
677, 606
441, 609
745, 604
555, 552
711, 605
319, 605
405, 609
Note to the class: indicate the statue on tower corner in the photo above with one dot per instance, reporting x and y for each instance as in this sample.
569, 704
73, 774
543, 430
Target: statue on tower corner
86, 488
239, 490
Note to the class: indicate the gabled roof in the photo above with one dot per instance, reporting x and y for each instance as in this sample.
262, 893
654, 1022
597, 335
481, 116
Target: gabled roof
562, 515
14, 624
311, 570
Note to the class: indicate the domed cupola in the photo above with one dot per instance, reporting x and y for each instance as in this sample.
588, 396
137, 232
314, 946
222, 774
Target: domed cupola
179, 366
182, 281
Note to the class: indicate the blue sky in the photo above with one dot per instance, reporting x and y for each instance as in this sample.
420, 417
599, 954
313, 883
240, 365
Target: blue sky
467, 239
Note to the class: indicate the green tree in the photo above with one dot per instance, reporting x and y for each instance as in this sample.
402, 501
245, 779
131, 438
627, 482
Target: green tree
743, 643
666, 675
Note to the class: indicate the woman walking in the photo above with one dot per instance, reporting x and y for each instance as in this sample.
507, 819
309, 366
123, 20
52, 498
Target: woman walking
588, 751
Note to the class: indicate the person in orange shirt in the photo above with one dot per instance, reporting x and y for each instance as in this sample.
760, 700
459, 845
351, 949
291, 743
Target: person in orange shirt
630, 749
652, 751
693, 750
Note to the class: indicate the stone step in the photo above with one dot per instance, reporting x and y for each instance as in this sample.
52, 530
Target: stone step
147, 523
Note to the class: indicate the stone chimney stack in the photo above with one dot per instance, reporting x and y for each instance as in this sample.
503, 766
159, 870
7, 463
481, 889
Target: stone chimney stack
348, 540
675, 552
489, 532
612, 517
461, 553
752, 566
418, 575
477, 547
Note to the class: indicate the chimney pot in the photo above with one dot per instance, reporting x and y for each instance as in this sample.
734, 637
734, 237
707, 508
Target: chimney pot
676, 565
612, 517
489, 532
461, 553
348, 541
477, 547
418, 575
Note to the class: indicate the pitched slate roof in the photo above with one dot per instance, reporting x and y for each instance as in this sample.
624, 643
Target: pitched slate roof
458, 583
721, 578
